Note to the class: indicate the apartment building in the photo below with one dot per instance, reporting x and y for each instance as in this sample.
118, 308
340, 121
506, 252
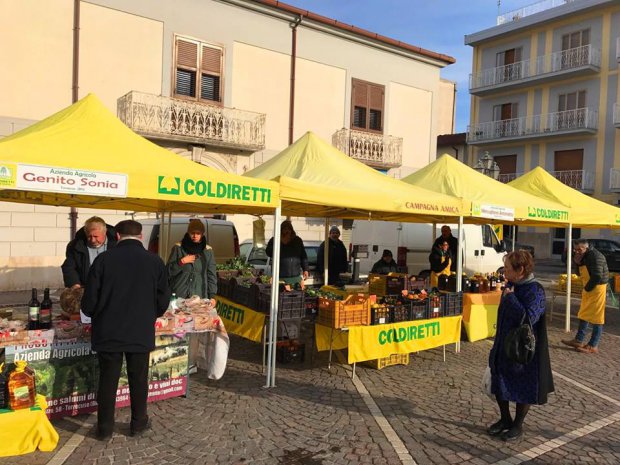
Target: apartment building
544, 92
226, 83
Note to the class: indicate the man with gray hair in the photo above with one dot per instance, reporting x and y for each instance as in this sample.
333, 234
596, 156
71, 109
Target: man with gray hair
594, 276
126, 290
91, 240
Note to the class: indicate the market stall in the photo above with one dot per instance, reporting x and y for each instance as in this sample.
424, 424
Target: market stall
317, 180
586, 212
83, 156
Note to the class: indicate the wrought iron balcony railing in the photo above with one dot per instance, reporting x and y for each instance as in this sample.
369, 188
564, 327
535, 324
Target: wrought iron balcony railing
167, 118
543, 67
528, 10
507, 177
561, 122
617, 115
372, 149
577, 179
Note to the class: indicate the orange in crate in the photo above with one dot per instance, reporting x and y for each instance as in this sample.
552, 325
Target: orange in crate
389, 284
354, 310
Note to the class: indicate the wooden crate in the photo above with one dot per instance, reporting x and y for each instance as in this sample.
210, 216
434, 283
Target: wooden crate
387, 284
354, 310
617, 283
394, 359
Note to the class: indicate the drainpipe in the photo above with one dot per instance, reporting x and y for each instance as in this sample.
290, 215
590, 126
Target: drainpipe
291, 110
73, 215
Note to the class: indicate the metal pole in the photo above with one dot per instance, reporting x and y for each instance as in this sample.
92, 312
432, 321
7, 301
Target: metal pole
514, 239
569, 264
459, 259
273, 313
326, 254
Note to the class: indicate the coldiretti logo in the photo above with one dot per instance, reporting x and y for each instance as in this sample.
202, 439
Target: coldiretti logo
201, 188
547, 213
7, 175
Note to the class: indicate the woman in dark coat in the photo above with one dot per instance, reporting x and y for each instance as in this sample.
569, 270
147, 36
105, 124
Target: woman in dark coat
514, 382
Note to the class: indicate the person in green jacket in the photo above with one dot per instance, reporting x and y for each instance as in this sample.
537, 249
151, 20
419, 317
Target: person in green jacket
191, 265
191, 271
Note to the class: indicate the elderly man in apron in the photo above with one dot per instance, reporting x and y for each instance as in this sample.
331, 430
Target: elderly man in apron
594, 276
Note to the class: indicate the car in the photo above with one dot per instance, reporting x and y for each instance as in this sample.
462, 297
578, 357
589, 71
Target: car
257, 257
610, 249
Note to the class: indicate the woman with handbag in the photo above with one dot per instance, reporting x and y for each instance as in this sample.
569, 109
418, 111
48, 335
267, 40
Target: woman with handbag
520, 367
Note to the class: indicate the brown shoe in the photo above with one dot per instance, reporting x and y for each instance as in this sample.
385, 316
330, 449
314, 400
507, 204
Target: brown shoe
587, 349
573, 343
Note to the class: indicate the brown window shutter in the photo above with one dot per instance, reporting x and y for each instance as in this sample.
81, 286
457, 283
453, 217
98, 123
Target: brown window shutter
211, 60
187, 54
359, 95
375, 100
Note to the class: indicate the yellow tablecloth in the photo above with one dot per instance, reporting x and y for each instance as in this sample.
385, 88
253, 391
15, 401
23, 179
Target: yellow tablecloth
378, 341
26, 430
240, 320
480, 314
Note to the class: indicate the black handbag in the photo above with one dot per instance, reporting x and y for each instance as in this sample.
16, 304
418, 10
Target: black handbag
520, 342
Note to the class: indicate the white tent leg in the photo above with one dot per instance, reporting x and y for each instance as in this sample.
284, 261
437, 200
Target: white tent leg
326, 254
273, 305
569, 264
459, 258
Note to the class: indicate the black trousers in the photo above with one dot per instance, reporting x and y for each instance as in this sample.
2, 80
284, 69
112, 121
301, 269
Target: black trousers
110, 364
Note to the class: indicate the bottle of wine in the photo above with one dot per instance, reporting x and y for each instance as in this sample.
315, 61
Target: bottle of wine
34, 307
45, 314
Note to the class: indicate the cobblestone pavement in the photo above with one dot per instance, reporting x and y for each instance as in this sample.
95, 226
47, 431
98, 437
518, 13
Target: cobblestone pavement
430, 412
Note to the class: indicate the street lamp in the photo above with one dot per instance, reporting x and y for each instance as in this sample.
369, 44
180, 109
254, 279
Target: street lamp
487, 166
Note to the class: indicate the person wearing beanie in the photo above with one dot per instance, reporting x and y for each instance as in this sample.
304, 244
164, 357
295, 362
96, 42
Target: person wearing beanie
386, 264
191, 265
337, 260
293, 258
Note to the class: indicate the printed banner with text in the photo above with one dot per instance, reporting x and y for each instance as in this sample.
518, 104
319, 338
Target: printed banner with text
240, 320
372, 342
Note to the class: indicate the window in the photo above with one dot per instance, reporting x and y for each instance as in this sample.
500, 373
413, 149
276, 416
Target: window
571, 110
508, 65
367, 106
489, 239
506, 120
198, 70
574, 50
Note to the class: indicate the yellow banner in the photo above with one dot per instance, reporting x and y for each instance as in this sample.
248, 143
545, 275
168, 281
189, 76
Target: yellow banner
323, 335
240, 320
371, 342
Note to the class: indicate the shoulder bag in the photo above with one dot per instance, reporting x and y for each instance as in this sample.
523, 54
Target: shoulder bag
520, 342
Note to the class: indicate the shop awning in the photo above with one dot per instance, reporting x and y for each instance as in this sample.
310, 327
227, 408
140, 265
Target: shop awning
491, 200
83, 156
318, 180
586, 212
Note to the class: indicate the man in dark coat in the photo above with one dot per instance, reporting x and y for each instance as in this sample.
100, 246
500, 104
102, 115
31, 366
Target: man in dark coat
338, 262
386, 264
126, 290
453, 244
91, 240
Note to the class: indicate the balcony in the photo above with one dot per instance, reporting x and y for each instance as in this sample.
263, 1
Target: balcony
614, 179
577, 179
554, 66
570, 122
617, 115
529, 10
375, 150
508, 177
165, 118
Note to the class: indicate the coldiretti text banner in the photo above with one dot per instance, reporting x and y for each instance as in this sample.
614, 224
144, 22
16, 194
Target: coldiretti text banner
240, 320
372, 342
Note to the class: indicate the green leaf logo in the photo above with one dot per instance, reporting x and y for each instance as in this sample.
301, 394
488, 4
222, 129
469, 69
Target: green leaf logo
170, 186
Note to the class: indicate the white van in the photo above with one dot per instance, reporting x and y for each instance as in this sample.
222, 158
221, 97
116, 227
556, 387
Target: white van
221, 235
411, 243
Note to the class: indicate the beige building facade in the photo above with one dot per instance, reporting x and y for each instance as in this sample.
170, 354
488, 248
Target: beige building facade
226, 83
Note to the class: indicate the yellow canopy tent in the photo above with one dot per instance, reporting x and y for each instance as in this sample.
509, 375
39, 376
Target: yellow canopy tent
492, 201
586, 212
318, 180
83, 156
